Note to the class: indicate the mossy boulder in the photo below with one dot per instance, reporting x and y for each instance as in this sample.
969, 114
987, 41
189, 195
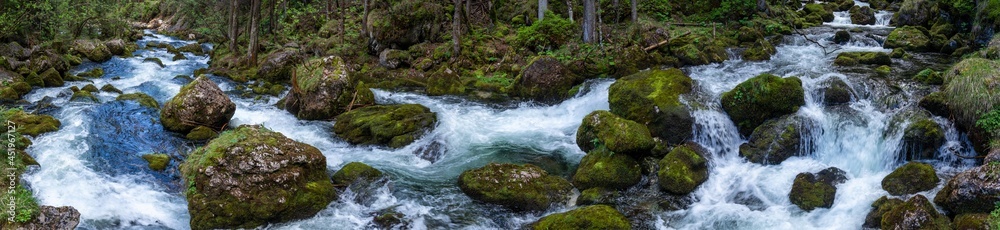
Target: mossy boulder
837, 92
619, 135
199, 103
652, 98
393, 58
91, 49
696, 49
862, 57
973, 221
157, 161
972, 191
911, 178
390, 125
321, 90
595, 217
929, 77
841, 37
606, 169
251, 176
141, 98
936, 103
355, 172
90, 88
683, 169
921, 139
401, 25
84, 96
278, 66
51, 78
760, 98
154, 60
915, 213
909, 38
92, 73
597, 195
201, 133
111, 89
546, 80
862, 15
761, 50
193, 48
879, 208
818, 11
32, 124
775, 141
969, 90
916, 13
811, 191
116, 46
518, 187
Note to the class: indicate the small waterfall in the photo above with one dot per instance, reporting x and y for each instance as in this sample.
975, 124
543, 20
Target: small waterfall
882, 18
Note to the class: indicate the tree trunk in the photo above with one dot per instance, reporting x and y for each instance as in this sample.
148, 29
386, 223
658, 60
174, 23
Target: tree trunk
569, 7
589, 20
364, 19
543, 5
635, 11
254, 25
343, 19
456, 30
233, 25
270, 23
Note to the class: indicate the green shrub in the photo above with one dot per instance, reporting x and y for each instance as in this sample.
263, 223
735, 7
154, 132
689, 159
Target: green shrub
995, 217
546, 34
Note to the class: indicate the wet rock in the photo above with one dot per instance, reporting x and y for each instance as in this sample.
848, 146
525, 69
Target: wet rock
862, 57
811, 191
683, 169
52, 218
862, 15
841, 37
652, 98
52, 78
90, 88
936, 104
388, 219
390, 125
92, 49
546, 80
915, 213
84, 96
154, 60
201, 133
589, 217
606, 169
141, 98
157, 161
355, 172
972, 191
909, 38
695, 49
972, 221
116, 46
93, 73
597, 195
911, 178
837, 92
193, 48
921, 139
278, 65
929, 77
322, 90
774, 141
760, 98
879, 208
916, 13
392, 58
518, 187
111, 89
32, 124
251, 177
603, 128
760, 51
200, 103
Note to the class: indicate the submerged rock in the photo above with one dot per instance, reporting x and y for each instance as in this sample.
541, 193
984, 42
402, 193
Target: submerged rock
921, 139
157, 161
603, 128
545, 79
841, 37
915, 213
597, 217
652, 98
761, 50
972, 191
862, 15
683, 169
141, 98
606, 169
863, 57
390, 125
518, 187
355, 172
837, 92
760, 98
251, 176
774, 141
811, 191
199, 103
911, 178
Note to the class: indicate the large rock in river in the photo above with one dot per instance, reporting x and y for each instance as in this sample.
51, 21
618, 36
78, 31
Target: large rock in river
251, 176
683, 169
546, 80
92, 49
278, 65
596, 217
602, 168
811, 191
910, 38
915, 213
761, 98
321, 90
911, 178
391, 125
652, 98
921, 139
603, 128
518, 187
774, 141
916, 13
199, 103
972, 191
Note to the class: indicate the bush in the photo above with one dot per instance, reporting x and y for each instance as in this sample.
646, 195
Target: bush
546, 34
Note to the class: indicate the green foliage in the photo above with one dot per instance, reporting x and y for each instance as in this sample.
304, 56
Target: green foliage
656, 9
734, 10
990, 122
546, 34
994, 221
68, 19
25, 206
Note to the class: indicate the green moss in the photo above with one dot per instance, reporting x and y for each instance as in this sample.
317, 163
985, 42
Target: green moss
760, 51
597, 195
972, 221
897, 53
909, 38
84, 96
31, 124
863, 57
309, 75
157, 161
92, 73
879, 208
929, 76
111, 89
141, 98
355, 172
809, 193
546, 34
154, 60
761, 98
652, 98
51, 78
518, 187
90, 88
971, 89
682, 170
911, 178
201, 133
603, 128
883, 71
915, 213
73, 59
603, 168
392, 125
601, 217
923, 137
845, 60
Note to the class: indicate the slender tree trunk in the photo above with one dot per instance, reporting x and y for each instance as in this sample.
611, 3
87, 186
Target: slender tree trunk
569, 7
615, 11
270, 23
589, 20
543, 5
343, 19
233, 25
254, 25
635, 11
456, 30
364, 19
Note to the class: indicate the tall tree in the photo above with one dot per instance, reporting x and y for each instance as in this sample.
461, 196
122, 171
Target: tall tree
456, 30
271, 15
589, 20
254, 25
635, 11
233, 25
543, 5
569, 7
